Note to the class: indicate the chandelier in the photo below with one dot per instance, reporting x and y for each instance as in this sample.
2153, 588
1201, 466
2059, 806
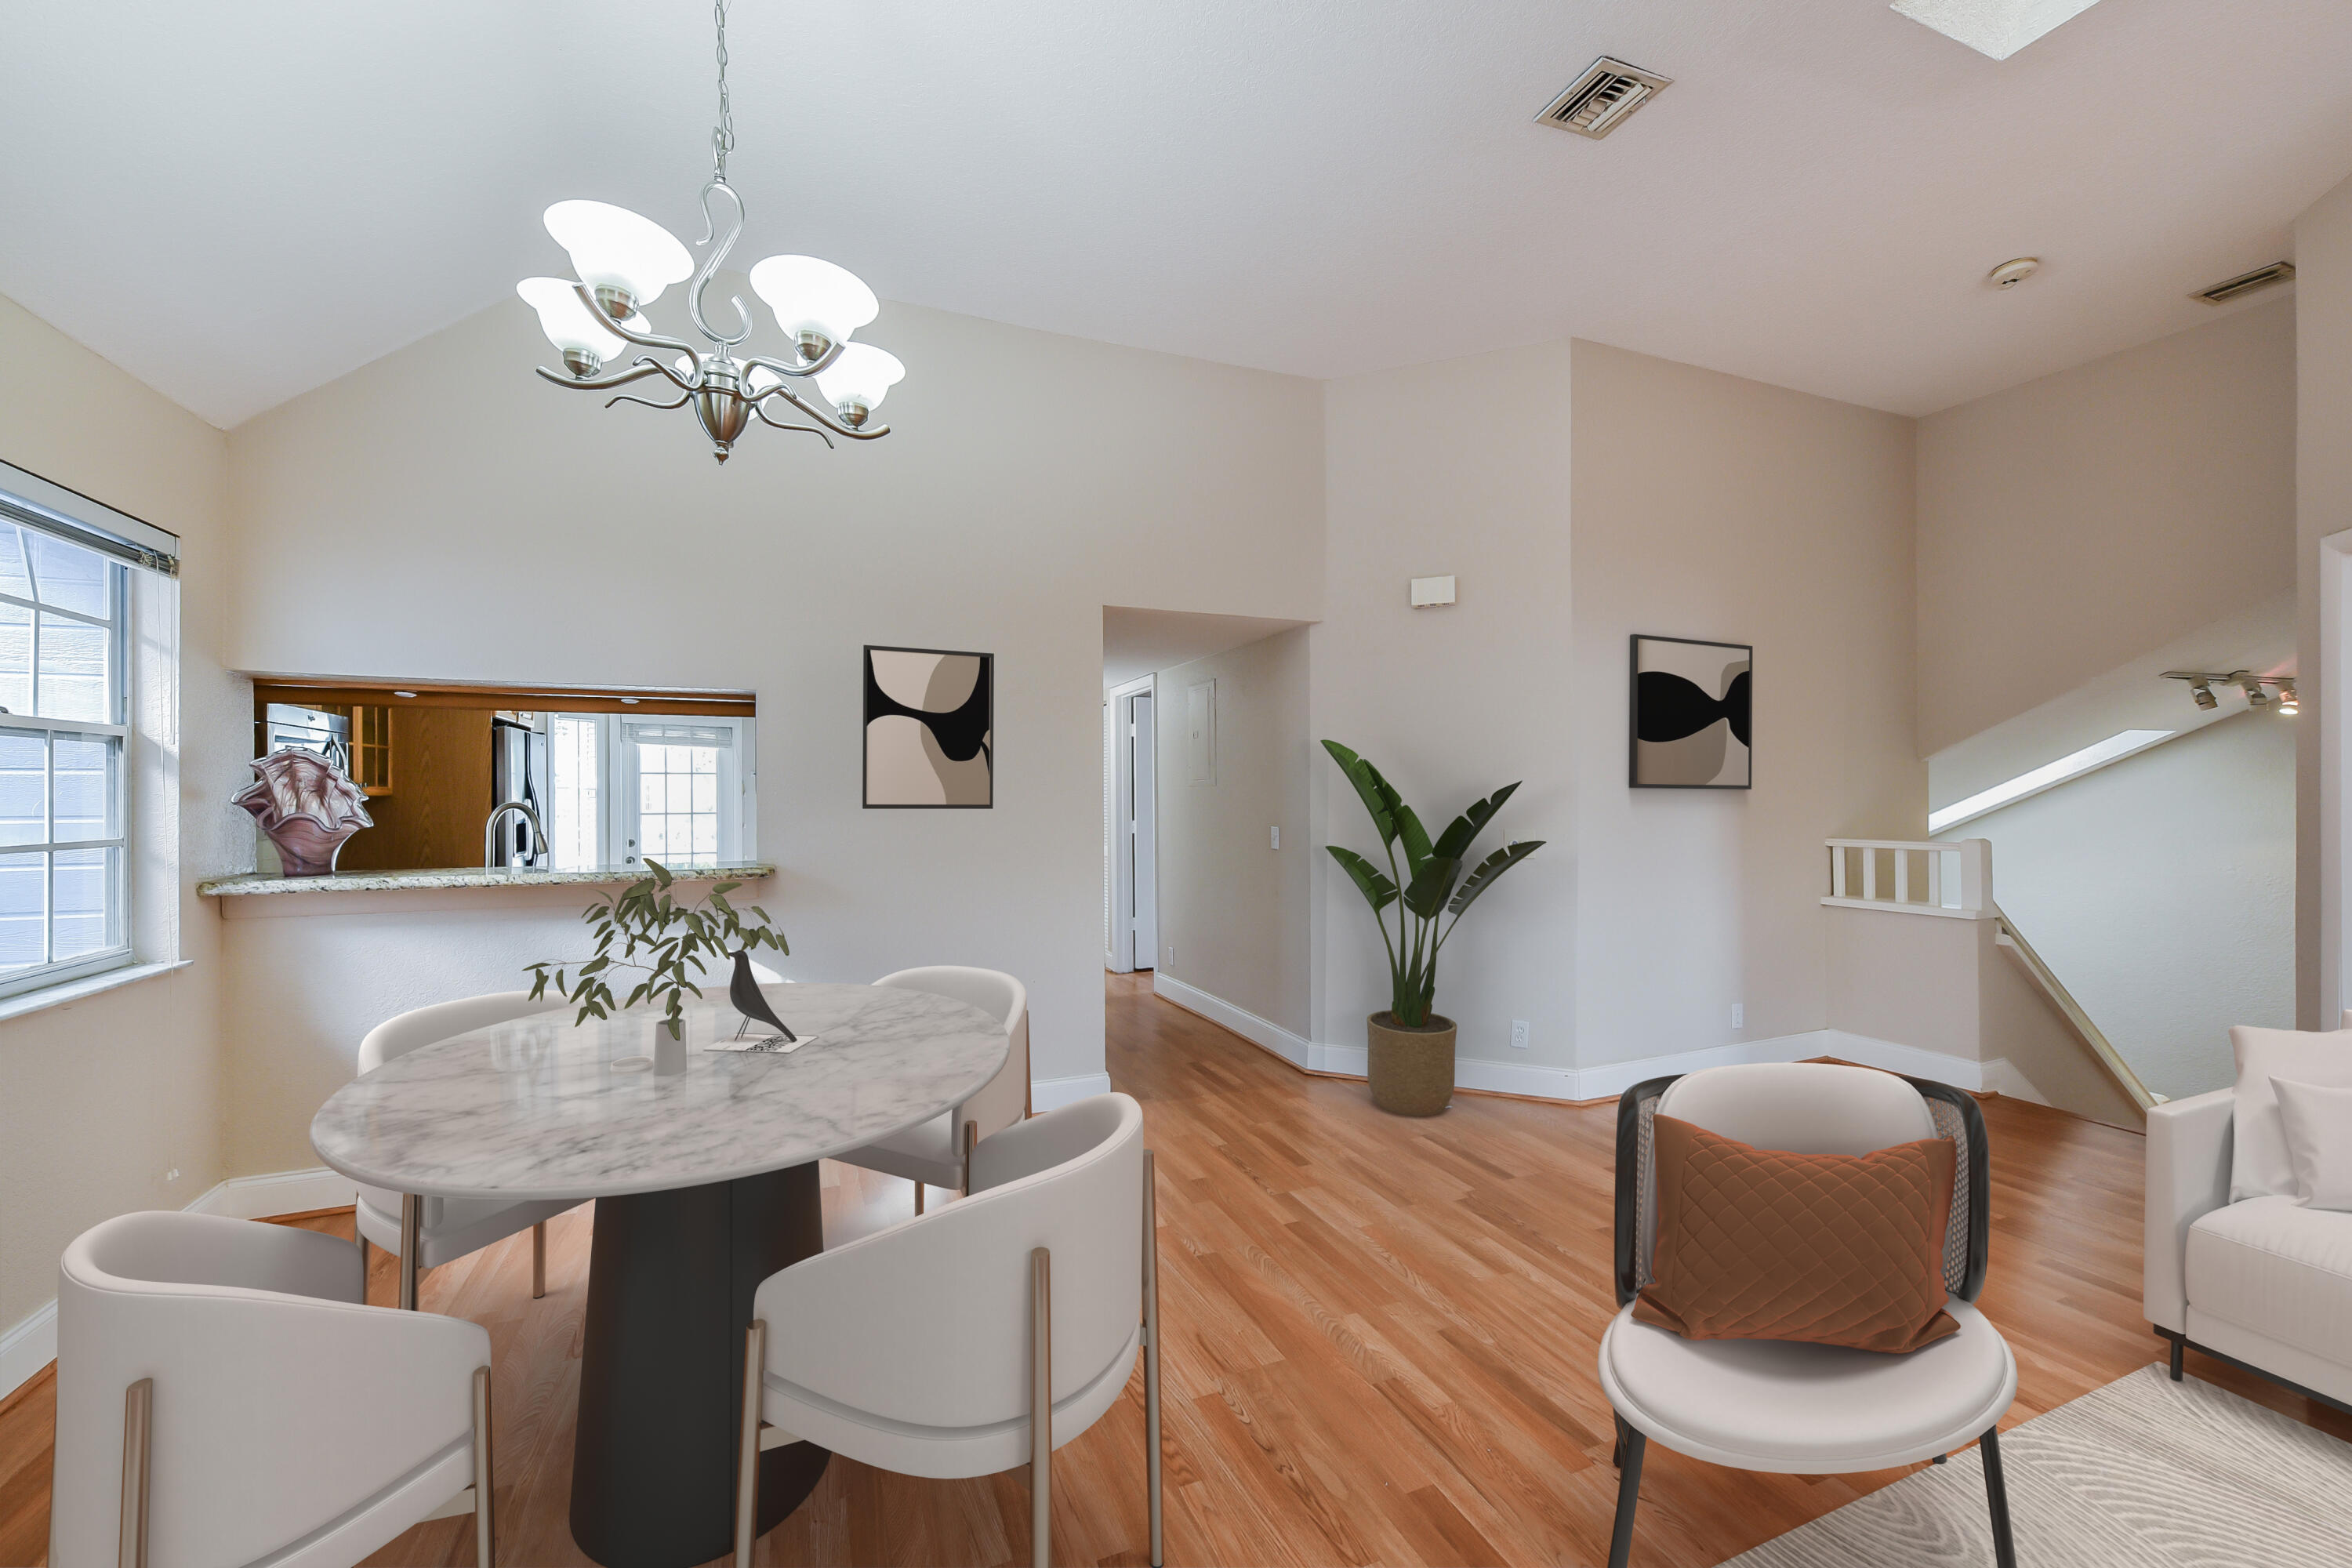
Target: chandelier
624, 261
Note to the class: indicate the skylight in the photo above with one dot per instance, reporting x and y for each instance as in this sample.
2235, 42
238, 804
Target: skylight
1995, 28
2045, 777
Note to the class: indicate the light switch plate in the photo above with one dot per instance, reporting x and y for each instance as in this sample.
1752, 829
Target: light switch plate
1739, 1015
1274, 837
1430, 592
1519, 1034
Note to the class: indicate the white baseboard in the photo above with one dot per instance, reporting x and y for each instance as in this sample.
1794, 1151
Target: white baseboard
1607, 1079
281, 1192
28, 1347
1053, 1093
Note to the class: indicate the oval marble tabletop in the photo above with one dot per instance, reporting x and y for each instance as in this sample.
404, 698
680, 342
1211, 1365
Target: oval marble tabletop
537, 1108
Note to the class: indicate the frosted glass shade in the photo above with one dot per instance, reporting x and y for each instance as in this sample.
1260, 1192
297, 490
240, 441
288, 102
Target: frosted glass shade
612, 247
568, 323
813, 296
861, 377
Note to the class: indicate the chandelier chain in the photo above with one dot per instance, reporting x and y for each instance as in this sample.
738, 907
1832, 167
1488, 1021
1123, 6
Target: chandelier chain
722, 135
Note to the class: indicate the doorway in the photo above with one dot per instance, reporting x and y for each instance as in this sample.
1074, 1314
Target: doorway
1131, 849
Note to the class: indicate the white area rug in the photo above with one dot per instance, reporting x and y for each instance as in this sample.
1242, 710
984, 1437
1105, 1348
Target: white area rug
2143, 1472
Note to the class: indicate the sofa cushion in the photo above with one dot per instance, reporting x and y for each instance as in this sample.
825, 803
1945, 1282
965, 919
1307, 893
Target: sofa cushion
2318, 1123
2259, 1165
2279, 1268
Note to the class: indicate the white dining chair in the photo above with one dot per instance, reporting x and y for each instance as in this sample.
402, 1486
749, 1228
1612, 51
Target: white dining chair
964, 1341
934, 1154
224, 1397
1805, 1409
448, 1228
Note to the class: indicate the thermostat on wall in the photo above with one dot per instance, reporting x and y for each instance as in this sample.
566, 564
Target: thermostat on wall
1430, 591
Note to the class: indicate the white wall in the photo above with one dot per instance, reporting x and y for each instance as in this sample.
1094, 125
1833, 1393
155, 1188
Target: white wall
2160, 890
2323, 259
2073, 523
1233, 910
100, 1098
443, 514
1707, 506
1461, 467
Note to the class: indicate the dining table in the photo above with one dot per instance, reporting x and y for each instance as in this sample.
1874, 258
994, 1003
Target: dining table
702, 1163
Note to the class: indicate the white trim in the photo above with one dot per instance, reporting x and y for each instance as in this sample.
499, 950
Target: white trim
2334, 714
85, 515
28, 1347
1053, 1093
1890, 907
65, 991
1296, 1050
281, 1192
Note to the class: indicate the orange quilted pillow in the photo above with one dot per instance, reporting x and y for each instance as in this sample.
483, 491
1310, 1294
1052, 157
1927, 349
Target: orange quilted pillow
1835, 1249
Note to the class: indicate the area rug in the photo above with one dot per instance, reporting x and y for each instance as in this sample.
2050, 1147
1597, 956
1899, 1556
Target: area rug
2143, 1471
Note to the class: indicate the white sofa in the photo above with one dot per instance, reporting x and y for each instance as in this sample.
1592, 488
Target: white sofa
2264, 1283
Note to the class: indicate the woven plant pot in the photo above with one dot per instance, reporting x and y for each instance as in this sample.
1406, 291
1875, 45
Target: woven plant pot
1411, 1071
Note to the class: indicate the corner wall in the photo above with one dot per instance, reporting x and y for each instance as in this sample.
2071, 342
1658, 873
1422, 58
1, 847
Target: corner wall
100, 1098
2323, 329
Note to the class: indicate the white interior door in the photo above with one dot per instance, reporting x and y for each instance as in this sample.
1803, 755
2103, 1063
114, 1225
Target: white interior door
1143, 911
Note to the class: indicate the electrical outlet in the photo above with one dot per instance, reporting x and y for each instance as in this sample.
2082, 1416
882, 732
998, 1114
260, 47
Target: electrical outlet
172, 1174
1739, 1015
1274, 837
1519, 1034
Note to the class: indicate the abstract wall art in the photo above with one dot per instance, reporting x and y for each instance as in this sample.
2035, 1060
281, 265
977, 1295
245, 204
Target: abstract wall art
1691, 707
930, 721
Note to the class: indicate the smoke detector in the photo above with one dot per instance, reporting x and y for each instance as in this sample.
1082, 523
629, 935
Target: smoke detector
2228, 289
1603, 98
2009, 274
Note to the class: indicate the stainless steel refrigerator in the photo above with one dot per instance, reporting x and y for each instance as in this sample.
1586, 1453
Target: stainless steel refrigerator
518, 771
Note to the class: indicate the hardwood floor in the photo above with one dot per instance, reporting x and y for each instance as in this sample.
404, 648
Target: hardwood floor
1381, 1338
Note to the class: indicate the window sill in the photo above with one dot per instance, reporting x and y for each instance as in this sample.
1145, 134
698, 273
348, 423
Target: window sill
67, 991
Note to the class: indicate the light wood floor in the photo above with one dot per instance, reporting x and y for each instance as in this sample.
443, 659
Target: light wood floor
1381, 1338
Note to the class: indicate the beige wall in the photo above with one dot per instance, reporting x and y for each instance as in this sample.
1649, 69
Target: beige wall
1707, 506
100, 1098
1233, 909
441, 513
2070, 524
2323, 259
1461, 467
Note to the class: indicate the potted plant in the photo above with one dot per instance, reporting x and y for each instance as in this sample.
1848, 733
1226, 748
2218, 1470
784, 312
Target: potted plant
1411, 1060
663, 937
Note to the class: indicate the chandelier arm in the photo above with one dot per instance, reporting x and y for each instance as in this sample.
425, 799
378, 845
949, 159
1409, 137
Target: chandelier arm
801, 369
646, 366
626, 334
821, 415
682, 400
710, 266
780, 425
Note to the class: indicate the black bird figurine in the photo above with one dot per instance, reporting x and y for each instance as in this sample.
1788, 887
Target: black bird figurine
744, 991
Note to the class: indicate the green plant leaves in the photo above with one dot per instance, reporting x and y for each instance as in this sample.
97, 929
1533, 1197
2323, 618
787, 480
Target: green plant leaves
1371, 788
1425, 895
1490, 871
668, 939
1378, 890
1464, 830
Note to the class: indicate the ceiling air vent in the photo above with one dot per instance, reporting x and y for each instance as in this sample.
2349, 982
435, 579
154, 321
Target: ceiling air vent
2247, 282
1603, 98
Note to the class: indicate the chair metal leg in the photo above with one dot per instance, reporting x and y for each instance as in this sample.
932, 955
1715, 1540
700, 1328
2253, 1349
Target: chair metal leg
2004, 1550
1041, 1408
747, 1445
486, 1534
412, 1242
137, 1412
1151, 1357
970, 1141
362, 1243
1629, 1494
918, 1197
2180, 1343
538, 1260
1617, 1451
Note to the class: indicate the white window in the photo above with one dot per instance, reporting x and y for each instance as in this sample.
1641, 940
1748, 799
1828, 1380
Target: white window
677, 790
64, 886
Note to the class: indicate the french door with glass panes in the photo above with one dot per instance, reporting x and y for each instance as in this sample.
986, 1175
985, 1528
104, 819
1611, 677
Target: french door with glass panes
676, 790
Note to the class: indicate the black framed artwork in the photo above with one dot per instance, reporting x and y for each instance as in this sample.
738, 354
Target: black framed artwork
1691, 711
931, 729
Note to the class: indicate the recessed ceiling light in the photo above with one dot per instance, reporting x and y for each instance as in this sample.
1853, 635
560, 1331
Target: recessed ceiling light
1995, 28
2047, 776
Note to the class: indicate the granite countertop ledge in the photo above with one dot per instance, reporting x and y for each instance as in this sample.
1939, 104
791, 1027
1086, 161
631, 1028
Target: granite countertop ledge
252, 883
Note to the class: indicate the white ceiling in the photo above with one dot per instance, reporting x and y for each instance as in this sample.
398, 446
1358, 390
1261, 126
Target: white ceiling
237, 203
1137, 642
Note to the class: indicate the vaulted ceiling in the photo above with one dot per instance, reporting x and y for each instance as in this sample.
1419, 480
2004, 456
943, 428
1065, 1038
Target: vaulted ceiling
237, 203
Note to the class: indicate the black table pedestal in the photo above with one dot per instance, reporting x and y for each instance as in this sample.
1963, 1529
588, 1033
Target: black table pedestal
661, 1376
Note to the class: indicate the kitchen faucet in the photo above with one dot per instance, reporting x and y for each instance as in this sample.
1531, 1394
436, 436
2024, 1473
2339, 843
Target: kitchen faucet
491, 829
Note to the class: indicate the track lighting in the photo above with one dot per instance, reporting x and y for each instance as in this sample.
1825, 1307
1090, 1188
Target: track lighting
2288, 704
2261, 690
2255, 696
2204, 694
